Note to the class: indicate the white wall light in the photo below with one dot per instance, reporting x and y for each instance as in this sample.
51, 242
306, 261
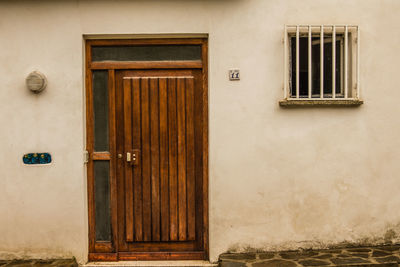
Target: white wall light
36, 82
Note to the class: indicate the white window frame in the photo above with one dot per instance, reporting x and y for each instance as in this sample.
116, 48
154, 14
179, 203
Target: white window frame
350, 64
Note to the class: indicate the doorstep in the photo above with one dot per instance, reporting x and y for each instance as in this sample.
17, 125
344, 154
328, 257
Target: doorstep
151, 264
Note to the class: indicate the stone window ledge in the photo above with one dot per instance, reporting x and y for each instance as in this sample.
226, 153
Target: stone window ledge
320, 103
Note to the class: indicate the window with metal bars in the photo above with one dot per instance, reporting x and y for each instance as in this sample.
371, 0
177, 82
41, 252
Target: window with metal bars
321, 63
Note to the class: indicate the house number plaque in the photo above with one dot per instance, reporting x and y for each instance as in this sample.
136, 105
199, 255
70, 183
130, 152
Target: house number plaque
234, 75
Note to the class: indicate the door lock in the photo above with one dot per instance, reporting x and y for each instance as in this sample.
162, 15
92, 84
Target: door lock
133, 157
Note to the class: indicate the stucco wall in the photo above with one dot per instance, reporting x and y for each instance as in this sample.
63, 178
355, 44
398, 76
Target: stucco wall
279, 178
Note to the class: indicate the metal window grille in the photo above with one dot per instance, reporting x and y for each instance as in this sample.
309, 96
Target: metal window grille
321, 62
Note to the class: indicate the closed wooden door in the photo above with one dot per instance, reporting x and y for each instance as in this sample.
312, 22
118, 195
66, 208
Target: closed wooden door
160, 171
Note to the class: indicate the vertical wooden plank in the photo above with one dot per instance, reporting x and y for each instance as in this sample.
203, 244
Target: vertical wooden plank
113, 162
128, 169
137, 172
198, 144
89, 147
146, 160
119, 93
181, 124
205, 228
172, 155
191, 207
155, 160
164, 187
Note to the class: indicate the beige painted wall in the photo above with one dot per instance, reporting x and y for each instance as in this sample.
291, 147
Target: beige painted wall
279, 179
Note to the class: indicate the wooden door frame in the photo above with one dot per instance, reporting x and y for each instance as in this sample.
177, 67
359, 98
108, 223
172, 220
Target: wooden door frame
108, 251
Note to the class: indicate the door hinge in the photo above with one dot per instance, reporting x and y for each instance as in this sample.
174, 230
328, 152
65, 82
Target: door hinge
85, 156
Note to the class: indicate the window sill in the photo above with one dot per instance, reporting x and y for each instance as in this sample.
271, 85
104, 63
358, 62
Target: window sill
320, 103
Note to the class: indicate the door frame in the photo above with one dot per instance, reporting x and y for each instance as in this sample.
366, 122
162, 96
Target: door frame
108, 250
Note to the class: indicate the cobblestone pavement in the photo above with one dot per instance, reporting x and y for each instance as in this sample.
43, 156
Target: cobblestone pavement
384, 256
39, 263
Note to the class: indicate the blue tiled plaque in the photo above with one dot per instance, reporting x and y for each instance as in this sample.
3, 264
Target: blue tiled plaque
36, 158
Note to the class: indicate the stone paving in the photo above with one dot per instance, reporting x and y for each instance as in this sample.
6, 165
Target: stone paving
39, 263
384, 256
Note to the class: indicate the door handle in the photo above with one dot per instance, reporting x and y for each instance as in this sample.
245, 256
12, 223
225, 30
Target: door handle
133, 157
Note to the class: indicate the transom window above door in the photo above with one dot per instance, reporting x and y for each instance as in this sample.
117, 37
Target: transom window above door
146, 53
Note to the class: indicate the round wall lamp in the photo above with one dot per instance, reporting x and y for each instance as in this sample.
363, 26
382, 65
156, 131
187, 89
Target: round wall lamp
36, 82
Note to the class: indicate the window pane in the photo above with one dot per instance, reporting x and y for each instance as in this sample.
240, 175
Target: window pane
293, 66
338, 68
146, 53
102, 200
100, 107
327, 65
303, 66
316, 66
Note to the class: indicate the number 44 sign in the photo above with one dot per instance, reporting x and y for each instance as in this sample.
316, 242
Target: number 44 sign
234, 75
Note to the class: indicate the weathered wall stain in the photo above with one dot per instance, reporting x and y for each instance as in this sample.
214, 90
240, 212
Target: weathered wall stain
35, 254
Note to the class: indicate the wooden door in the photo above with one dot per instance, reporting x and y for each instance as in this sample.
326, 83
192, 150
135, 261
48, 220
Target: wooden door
147, 99
160, 175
